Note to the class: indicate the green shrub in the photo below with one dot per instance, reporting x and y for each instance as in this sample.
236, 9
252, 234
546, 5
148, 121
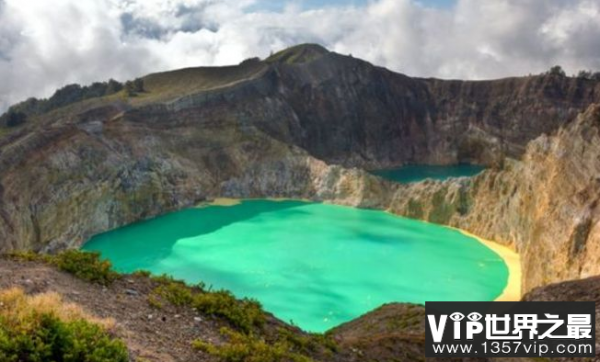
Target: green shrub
306, 342
244, 314
13, 119
163, 279
142, 273
86, 266
154, 302
176, 293
557, 71
247, 348
29, 256
42, 328
65, 96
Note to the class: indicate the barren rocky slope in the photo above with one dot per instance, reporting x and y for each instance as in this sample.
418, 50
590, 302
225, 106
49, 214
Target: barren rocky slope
545, 205
397, 331
278, 127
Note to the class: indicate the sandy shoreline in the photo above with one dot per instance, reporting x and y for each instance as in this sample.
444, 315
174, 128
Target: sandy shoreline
512, 291
224, 201
221, 201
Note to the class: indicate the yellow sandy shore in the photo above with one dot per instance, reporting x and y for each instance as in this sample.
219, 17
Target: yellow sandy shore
512, 291
223, 201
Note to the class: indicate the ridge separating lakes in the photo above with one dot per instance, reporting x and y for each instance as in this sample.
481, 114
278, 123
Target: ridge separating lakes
315, 265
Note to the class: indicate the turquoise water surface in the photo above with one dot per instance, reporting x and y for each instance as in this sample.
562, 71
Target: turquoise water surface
317, 265
416, 173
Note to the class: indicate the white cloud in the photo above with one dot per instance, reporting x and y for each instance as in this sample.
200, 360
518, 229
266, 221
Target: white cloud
47, 44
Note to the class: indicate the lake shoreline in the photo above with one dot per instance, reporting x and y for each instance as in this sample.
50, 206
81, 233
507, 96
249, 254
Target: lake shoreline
512, 291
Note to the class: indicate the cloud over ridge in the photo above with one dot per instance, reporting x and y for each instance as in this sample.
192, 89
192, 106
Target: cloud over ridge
47, 44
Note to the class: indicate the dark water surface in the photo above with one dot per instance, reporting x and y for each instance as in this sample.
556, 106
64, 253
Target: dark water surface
416, 173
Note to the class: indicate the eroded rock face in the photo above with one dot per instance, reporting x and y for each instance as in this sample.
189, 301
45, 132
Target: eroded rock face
545, 205
297, 129
61, 186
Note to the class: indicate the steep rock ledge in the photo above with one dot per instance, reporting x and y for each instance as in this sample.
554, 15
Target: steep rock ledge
545, 206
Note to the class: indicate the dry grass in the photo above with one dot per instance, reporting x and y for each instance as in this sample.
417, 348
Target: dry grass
44, 328
20, 309
170, 85
302, 53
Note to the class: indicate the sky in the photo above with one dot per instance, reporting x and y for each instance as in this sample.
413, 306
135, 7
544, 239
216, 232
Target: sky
48, 44
278, 5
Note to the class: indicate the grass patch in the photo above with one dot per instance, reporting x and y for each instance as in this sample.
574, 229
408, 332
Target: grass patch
43, 328
174, 84
302, 53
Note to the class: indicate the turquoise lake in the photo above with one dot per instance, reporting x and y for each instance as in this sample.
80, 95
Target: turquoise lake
416, 173
316, 265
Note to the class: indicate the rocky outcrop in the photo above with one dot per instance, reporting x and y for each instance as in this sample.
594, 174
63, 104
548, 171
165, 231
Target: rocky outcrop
345, 111
545, 205
82, 176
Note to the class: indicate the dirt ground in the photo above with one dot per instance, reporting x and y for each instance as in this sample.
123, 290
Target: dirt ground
163, 335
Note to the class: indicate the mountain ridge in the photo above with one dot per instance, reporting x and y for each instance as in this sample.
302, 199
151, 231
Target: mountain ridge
222, 76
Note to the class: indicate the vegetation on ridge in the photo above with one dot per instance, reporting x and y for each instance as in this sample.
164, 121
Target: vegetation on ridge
69, 94
245, 315
558, 71
83, 265
302, 53
247, 348
247, 337
247, 341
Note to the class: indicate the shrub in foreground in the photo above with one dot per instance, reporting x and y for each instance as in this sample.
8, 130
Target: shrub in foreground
43, 328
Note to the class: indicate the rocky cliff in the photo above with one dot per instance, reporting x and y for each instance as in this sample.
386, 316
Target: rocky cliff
304, 123
349, 112
545, 205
